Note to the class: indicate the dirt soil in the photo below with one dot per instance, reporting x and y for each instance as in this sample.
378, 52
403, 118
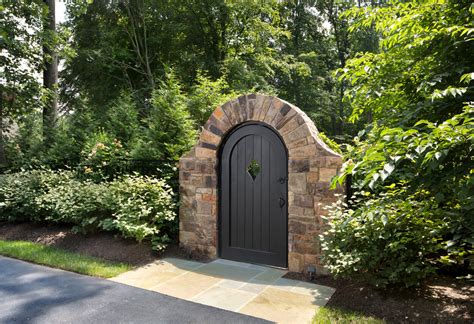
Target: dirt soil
439, 300
101, 245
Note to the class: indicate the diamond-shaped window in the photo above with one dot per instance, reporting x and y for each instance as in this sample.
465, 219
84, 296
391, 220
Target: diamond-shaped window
253, 169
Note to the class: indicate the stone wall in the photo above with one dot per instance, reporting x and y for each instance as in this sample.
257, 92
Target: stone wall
311, 165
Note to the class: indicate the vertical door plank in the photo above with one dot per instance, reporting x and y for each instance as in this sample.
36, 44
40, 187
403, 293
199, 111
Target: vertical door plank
248, 192
234, 195
266, 166
240, 195
257, 195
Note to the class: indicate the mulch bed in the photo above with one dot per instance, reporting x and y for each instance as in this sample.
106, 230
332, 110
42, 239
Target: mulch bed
439, 300
100, 245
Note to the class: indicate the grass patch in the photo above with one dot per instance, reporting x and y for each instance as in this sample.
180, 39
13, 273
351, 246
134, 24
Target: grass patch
330, 315
57, 258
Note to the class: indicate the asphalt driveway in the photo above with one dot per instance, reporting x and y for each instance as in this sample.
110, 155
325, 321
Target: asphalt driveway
35, 294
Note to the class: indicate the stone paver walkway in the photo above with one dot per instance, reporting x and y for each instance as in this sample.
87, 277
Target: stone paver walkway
33, 294
244, 288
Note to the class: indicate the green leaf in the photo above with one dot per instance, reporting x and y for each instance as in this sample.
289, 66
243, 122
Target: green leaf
450, 243
466, 78
389, 167
423, 122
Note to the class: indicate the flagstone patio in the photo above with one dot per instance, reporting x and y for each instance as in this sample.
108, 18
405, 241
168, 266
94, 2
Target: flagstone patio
244, 288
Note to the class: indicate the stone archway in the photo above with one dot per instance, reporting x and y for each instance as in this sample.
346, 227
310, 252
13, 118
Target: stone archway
311, 165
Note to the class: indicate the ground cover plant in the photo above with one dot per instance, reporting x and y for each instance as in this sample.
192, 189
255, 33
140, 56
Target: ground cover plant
326, 315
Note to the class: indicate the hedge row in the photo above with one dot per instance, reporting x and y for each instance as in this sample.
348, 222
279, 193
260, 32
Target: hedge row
138, 207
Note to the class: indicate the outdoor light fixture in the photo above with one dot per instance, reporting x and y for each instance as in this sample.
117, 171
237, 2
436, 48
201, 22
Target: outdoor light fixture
311, 270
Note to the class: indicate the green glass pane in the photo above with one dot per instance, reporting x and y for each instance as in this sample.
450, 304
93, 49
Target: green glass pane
253, 169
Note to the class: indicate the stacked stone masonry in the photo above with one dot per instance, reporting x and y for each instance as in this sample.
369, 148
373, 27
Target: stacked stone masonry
311, 165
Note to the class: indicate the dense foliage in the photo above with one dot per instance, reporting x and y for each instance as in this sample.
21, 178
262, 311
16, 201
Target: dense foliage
140, 77
235, 47
412, 168
20, 59
120, 58
138, 207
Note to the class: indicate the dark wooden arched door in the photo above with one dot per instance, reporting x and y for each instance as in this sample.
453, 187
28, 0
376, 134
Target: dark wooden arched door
254, 191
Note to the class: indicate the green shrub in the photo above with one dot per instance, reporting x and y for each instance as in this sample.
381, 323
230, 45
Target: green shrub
82, 203
389, 238
21, 195
331, 143
416, 157
169, 130
421, 186
102, 155
206, 95
143, 207
24, 146
138, 207
122, 119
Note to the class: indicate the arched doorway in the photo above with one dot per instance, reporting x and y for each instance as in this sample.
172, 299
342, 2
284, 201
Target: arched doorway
253, 196
310, 165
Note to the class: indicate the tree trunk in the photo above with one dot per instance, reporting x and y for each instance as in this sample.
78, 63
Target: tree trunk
50, 79
340, 126
3, 158
342, 44
299, 9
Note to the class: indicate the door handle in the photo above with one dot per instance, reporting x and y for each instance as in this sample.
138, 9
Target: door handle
282, 202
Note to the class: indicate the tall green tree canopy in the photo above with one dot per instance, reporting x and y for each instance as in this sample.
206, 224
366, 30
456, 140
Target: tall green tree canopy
424, 69
129, 44
288, 48
21, 39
